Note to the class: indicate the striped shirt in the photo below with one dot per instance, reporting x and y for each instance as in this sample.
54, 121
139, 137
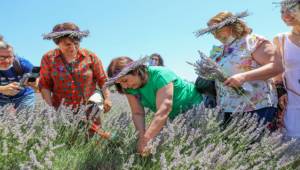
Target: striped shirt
10, 76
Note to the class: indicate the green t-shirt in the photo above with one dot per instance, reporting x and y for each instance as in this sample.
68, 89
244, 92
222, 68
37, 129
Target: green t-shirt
184, 97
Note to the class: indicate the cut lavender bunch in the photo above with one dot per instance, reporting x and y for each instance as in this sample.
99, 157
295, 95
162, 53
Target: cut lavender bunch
210, 70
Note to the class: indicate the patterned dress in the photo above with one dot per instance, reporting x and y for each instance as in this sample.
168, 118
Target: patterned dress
237, 58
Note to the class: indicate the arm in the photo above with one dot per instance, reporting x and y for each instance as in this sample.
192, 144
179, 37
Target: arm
106, 100
46, 94
100, 77
278, 78
164, 103
106, 93
138, 114
27, 67
278, 81
98, 72
45, 80
264, 55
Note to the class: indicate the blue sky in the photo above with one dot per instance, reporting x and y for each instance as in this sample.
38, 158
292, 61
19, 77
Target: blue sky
131, 28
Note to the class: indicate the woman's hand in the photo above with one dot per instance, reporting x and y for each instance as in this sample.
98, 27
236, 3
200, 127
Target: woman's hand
236, 80
142, 146
46, 94
107, 105
138, 117
33, 85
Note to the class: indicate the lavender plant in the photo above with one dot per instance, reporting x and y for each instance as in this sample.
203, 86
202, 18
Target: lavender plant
194, 140
27, 138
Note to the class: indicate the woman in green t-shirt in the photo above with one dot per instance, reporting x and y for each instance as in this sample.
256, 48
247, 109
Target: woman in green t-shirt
154, 87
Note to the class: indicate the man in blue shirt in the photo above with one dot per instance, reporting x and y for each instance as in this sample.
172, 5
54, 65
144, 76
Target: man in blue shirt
12, 70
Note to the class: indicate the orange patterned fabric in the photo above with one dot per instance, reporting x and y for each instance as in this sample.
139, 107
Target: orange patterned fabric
88, 71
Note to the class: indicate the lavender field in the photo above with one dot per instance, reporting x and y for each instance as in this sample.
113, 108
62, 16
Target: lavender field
48, 139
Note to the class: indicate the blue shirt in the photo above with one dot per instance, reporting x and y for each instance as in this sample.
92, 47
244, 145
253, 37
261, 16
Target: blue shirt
10, 76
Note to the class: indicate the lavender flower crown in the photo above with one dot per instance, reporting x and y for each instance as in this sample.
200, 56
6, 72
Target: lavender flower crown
220, 25
288, 4
131, 66
74, 34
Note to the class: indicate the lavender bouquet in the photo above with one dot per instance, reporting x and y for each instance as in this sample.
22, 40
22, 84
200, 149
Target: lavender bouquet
210, 70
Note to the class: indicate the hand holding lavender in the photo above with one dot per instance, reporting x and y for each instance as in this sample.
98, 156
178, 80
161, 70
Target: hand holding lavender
210, 70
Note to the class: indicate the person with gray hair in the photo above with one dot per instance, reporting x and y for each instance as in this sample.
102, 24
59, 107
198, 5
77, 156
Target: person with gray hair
12, 70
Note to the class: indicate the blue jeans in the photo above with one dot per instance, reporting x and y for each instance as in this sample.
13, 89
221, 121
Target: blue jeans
20, 103
267, 113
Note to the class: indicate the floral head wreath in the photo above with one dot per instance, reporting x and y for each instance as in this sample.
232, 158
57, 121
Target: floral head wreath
288, 4
73, 34
131, 66
220, 25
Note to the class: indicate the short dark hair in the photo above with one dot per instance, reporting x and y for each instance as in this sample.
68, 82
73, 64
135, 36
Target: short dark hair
117, 64
67, 26
160, 59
